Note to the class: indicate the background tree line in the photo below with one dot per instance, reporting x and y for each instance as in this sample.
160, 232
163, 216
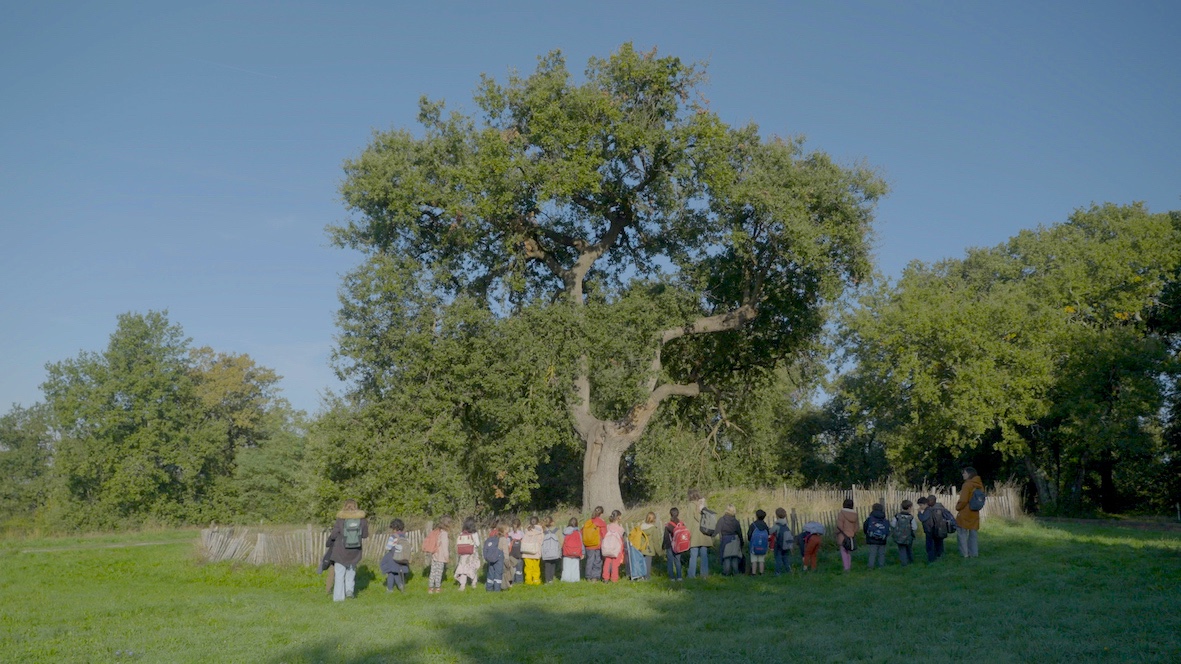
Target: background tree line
599, 291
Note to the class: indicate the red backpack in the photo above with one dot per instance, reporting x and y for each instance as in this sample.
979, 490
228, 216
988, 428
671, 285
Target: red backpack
681, 537
572, 545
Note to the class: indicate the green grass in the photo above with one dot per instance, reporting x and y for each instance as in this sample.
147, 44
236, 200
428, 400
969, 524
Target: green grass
1059, 593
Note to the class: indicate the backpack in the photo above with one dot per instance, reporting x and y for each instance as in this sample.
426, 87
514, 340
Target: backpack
551, 545
639, 538
976, 502
904, 531
531, 545
758, 542
590, 534
399, 549
514, 548
949, 518
709, 522
431, 543
352, 533
785, 540
572, 545
877, 530
492, 549
465, 545
939, 528
612, 544
681, 538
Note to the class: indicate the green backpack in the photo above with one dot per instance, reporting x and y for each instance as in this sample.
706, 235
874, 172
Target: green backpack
352, 533
903, 532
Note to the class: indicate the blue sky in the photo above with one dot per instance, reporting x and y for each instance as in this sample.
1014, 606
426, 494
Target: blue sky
186, 156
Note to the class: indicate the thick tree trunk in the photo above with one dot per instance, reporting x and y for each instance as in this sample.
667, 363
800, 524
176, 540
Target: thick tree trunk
1046, 496
600, 475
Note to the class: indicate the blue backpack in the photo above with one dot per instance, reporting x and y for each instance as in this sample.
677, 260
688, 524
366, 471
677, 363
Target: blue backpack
492, 552
976, 502
877, 531
758, 542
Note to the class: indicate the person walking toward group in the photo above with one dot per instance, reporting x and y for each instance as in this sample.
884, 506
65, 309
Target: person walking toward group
846, 533
573, 551
877, 534
702, 528
967, 517
593, 532
904, 528
348, 531
732, 542
467, 546
551, 550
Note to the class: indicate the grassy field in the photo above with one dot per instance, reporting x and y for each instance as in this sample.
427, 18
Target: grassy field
1066, 592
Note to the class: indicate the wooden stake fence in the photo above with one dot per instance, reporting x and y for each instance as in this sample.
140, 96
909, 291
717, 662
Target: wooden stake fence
306, 546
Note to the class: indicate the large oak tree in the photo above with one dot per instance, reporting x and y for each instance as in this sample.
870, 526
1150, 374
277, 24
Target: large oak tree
583, 198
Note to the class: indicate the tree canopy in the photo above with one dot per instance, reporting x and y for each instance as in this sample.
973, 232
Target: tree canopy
658, 251
1037, 348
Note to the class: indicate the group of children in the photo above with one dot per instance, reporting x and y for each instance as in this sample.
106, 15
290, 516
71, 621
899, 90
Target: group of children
595, 551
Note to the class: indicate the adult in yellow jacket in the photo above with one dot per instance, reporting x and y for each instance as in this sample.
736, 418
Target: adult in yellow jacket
967, 520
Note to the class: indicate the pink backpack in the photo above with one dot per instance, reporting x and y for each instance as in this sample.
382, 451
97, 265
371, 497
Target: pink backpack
612, 544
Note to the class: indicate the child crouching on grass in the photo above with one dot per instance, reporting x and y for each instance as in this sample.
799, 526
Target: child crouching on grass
466, 546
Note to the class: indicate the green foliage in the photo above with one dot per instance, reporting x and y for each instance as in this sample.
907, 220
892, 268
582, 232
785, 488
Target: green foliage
149, 430
26, 448
554, 240
1036, 348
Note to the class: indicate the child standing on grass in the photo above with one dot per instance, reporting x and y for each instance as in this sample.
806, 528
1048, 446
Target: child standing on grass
531, 551
904, 527
494, 558
395, 561
730, 535
783, 542
612, 548
759, 536
877, 534
440, 557
846, 532
648, 544
673, 549
551, 549
592, 537
466, 547
512, 564
935, 519
572, 551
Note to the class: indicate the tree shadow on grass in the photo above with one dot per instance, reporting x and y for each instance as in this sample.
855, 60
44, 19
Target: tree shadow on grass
1034, 595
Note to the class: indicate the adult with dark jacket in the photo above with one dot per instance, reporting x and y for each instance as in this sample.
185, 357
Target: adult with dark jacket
967, 520
350, 528
729, 530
